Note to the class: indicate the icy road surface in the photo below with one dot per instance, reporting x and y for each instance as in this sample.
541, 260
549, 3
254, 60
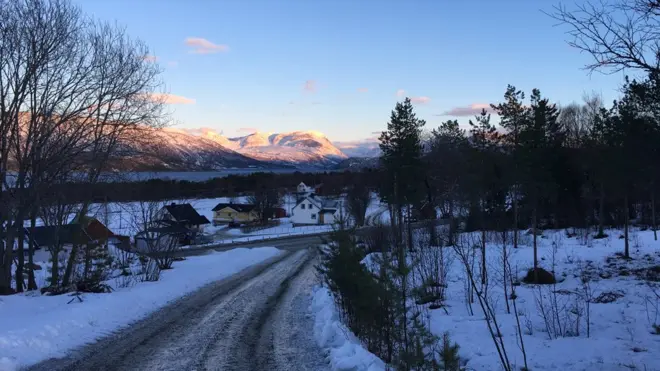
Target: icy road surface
257, 319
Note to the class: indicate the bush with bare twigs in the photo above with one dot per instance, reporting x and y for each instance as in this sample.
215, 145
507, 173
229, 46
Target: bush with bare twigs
432, 266
479, 288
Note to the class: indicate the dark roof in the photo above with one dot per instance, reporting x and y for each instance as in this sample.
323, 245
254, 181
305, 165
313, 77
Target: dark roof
97, 231
174, 229
52, 234
186, 213
241, 208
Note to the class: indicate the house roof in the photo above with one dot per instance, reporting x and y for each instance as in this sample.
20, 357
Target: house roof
52, 234
323, 204
330, 205
241, 208
186, 213
94, 228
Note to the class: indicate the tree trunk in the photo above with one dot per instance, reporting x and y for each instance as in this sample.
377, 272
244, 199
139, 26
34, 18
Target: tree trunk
504, 272
32, 283
515, 219
20, 266
601, 212
404, 298
5, 268
74, 250
450, 236
55, 266
626, 252
483, 255
653, 223
88, 261
5, 283
536, 260
66, 280
410, 234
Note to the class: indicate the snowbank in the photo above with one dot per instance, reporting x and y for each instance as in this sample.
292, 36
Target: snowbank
344, 350
34, 328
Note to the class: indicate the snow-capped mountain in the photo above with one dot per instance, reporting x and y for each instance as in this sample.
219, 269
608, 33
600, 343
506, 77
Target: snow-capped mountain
308, 148
205, 149
360, 148
174, 149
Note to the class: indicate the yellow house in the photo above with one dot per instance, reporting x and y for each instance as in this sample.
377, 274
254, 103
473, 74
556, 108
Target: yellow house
234, 213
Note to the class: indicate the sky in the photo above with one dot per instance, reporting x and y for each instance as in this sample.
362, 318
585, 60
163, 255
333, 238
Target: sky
340, 66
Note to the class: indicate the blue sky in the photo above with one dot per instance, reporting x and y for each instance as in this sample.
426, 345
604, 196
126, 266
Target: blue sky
336, 66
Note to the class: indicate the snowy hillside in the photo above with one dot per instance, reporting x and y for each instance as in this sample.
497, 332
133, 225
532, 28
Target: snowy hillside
205, 149
360, 148
173, 149
298, 147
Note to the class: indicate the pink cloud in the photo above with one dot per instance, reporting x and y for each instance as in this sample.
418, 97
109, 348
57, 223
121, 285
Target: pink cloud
150, 58
310, 86
172, 63
171, 98
420, 100
363, 90
203, 46
400, 93
471, 110
247, 130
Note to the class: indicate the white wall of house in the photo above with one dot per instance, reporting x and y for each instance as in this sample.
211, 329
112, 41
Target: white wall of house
305, 212
330, 218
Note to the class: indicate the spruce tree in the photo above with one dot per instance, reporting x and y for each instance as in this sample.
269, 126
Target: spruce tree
401, 159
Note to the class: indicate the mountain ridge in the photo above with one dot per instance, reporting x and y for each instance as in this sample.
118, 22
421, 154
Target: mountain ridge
205, 149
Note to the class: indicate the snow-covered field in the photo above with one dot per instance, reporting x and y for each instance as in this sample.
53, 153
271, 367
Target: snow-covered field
42, 327
621, 335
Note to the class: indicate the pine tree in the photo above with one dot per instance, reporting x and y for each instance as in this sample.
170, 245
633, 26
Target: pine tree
483, 138
447, 169
539, 135
513, 115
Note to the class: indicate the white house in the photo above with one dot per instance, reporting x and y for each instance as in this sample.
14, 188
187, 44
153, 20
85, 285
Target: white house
312, 209
303, 188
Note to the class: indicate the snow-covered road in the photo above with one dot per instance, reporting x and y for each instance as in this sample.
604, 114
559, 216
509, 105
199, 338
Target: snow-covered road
254, 320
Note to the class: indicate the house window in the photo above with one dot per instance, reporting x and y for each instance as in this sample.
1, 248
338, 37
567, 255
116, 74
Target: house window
229, 215
302, 206
313, 216
310, 206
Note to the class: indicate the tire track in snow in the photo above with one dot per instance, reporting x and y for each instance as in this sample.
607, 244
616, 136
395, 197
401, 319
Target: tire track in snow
219, 327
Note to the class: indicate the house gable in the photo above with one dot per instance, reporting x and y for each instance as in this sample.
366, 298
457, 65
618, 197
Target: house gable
308, 203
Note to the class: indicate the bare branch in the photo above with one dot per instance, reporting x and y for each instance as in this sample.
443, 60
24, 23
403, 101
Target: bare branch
618, 35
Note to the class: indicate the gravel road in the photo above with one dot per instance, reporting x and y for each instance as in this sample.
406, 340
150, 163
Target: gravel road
255, 320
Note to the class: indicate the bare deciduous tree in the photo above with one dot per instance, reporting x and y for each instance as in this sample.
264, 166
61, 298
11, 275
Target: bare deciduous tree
617, 34
265, 200
70, 90
157, 240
